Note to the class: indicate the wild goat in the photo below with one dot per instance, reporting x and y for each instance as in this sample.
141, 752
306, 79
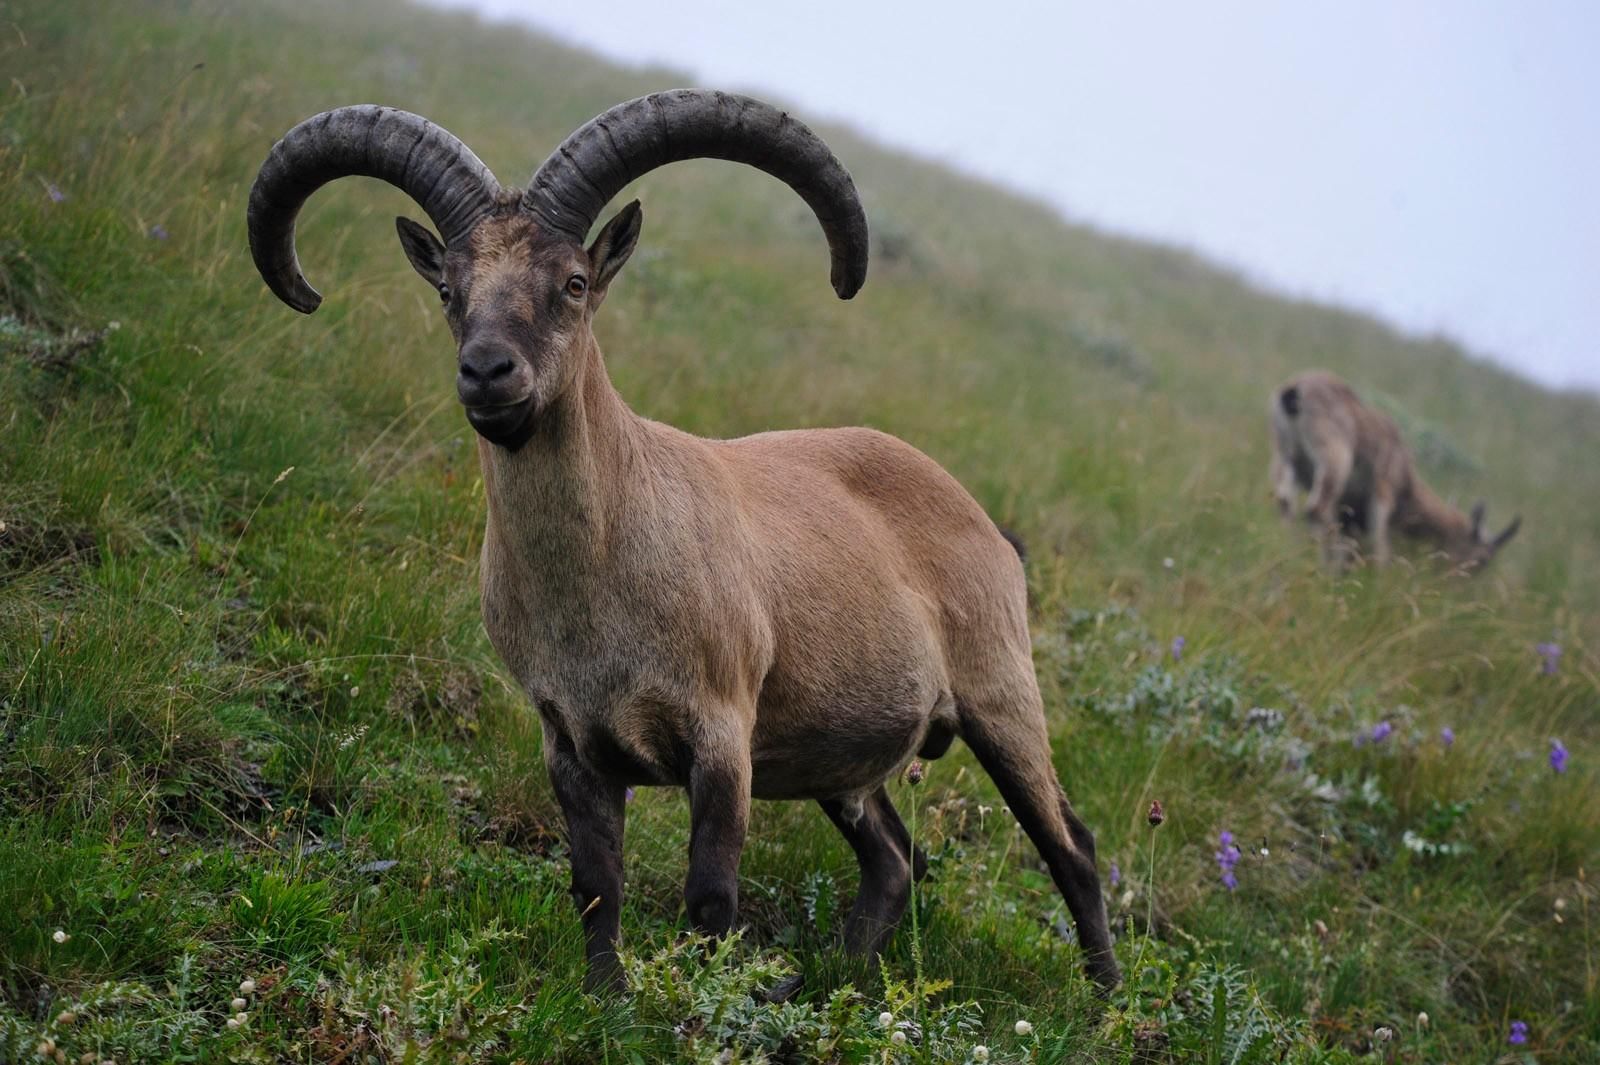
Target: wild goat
791, 615
1361, 477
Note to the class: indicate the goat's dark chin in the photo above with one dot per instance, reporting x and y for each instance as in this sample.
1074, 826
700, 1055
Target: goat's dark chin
507, 425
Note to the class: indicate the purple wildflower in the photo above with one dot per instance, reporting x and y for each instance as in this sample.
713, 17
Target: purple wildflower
1551, 653
158, 232
1558, 756
1178, 643
1116, 875
1519, 1033
1227, 857
54, 192
1447, 736
627, 796
1381, 730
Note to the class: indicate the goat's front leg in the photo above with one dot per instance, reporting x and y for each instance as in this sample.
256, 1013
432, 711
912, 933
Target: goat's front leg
719, 816
595, 815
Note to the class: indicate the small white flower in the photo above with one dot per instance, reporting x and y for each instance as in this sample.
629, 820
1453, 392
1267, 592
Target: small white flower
355, 691
247, 987
1127, 899
233, 1022
59, 936
1383, 1033
980, 1053
1168, 563
241, 1017
885, 1019
66, 1017
1422, 1019
898, 1038
1561, 904
237, 1004
46, 1048
1024, 1028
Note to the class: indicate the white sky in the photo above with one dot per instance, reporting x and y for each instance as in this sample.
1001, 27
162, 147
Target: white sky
1434, 161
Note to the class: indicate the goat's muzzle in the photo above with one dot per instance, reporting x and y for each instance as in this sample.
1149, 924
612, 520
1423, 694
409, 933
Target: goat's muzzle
497, 392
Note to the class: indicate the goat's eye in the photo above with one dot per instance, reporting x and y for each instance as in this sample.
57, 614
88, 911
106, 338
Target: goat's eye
576, 286
444, 293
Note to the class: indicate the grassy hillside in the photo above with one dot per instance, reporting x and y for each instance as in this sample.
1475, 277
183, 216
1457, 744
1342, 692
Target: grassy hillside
250, 728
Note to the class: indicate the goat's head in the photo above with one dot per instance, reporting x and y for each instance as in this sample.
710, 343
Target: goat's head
1476, 549
518, 287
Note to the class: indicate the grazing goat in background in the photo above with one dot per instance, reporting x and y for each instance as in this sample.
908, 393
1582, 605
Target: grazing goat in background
792, 615
1361, 477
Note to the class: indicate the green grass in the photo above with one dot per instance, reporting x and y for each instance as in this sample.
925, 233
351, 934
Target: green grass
241, 668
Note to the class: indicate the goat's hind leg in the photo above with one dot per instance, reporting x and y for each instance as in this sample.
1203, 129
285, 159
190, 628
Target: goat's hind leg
1284, 488
882, 845
1008, 735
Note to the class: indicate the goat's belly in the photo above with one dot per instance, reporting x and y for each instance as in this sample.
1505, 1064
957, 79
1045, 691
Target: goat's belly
849, 749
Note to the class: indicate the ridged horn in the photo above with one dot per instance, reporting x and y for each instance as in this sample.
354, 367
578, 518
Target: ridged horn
417, 157
592, 165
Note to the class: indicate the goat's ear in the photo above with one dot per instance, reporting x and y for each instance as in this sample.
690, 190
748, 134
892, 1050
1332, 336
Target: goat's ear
613, 246
1507, 533
1478, 509
423, 249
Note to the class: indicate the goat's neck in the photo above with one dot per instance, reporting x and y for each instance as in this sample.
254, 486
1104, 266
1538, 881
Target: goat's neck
559, 499
1423, 514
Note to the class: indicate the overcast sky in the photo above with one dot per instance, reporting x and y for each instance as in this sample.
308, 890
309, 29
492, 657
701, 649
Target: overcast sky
1435, 162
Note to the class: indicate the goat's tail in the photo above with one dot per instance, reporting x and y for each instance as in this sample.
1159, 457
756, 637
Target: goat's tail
1015, 541
1289, 400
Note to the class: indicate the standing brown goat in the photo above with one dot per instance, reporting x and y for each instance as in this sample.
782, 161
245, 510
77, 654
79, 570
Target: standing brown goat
792, 615
1361, 477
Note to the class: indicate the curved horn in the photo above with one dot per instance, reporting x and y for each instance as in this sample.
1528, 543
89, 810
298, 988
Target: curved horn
409, 152
1508, 532
568, 192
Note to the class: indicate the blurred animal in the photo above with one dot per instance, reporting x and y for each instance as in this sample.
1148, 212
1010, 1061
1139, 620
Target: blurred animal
791, 615
1361, 477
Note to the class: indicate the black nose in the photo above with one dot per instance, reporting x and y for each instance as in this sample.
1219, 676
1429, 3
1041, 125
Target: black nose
481, 371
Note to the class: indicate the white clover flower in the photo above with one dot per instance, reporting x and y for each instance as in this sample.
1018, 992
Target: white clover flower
1024, 1028
241, 1017
59, 936
1383, 1033
237, 1004
233, 1022
1422, 1019
66, 1017
898, 1038
980, 1053
885, 1019
247, 987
